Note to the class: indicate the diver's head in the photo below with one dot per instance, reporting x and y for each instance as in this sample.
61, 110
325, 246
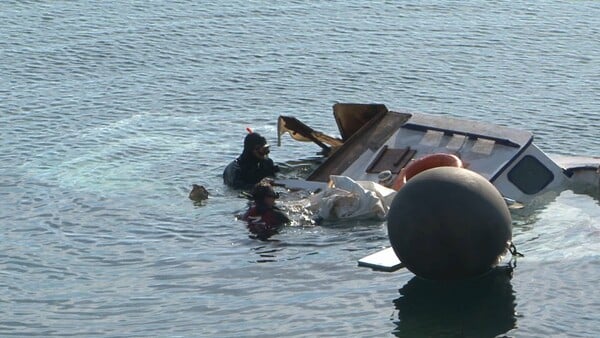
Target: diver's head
263, 193
256, 145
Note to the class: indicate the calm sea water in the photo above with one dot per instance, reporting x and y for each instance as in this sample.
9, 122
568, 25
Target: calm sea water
110, 111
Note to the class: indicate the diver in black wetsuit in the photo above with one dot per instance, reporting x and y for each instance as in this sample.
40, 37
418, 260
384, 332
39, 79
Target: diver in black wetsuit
252, 165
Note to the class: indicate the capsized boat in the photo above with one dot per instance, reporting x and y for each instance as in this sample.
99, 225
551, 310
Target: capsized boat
377, 142
379, 145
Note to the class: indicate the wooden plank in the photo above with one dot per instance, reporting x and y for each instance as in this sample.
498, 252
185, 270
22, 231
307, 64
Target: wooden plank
402, 162
371, 168
392, 159
372, 136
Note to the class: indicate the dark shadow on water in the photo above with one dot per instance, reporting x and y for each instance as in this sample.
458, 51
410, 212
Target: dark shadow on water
266, 254
263, 237
482, 307
274, 251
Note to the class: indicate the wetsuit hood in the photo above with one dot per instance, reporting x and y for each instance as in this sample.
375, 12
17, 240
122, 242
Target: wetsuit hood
253, 140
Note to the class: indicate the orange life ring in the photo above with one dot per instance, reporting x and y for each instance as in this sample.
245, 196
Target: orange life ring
424, 163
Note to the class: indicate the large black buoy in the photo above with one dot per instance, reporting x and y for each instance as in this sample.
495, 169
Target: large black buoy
449, 223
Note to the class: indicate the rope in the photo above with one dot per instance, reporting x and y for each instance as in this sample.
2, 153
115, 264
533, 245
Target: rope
513, 250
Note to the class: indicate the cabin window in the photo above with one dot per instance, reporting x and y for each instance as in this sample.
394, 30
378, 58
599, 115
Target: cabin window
530, 175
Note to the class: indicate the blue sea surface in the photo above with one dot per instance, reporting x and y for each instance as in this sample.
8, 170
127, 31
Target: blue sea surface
109, 111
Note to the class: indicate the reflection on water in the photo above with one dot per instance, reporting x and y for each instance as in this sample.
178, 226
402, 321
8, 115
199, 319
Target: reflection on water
483, 307
592, 190
300, 168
